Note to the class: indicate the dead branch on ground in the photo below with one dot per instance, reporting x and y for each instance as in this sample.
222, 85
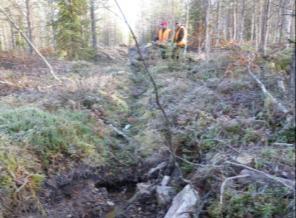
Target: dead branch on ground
6, 83
285, 182
223, 186
279, 105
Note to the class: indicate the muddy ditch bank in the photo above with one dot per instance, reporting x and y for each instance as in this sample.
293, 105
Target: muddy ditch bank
104, 192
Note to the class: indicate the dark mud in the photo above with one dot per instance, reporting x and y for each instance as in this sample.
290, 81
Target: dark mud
105, 192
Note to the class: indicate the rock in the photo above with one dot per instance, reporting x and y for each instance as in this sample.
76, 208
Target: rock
184, 204
110, 203
165, 181
165, 194
245, 159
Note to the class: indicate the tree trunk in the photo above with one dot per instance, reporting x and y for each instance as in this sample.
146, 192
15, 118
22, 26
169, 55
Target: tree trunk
287, 23
218, 28
264, 26
234, 37
242, 22
253, 22
29, 25
259, 24
292, 77
53, 29
12, 37
207, 25
93, 24
187, 23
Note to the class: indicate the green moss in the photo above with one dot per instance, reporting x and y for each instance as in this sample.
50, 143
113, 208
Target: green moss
279, 155
287, 136
251, 136
187, 168
283, 60
48, 134
265, 204
207, 143
215, 209
36, 181
232, 128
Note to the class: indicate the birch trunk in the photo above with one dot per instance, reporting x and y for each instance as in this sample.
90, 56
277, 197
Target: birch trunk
242, 22
234, 37
253, 22
207, 24
264, 25
29, 25
217, 40
287, 23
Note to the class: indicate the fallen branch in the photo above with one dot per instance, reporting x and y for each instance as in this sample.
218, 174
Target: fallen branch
224, 143
283, 144
157, 168
280, 106
26, 181
7, 83
30, 43
285, 182
222, 189
120, 133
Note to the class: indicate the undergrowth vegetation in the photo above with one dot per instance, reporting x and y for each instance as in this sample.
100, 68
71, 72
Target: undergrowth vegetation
71, 133
219, 113
108, 116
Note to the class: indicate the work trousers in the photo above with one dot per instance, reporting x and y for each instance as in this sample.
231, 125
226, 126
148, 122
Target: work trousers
177, 52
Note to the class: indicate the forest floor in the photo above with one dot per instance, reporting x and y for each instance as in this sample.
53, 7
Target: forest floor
93, 146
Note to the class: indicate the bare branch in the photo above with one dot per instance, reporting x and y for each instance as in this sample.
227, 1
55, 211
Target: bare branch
223, 186
281, 107
120, 133
283, 144
287, 183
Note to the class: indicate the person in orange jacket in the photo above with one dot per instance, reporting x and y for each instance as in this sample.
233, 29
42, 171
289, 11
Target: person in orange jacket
180, 40
163, 37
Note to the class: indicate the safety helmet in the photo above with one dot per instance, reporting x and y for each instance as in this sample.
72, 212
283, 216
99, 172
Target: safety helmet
164, 23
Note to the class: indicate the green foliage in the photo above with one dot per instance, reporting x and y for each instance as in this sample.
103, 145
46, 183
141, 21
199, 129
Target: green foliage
72, 26
287, 136
251, 136
187, 168
68, 132
283, 60
253, 203
259, 205
277, 155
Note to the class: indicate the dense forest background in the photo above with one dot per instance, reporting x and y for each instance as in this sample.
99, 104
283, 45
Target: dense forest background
77, 28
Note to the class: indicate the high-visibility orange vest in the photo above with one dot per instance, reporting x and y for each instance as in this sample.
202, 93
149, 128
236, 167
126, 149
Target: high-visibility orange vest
163, 36
183, 42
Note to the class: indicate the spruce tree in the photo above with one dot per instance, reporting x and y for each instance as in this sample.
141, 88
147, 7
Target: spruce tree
72, 29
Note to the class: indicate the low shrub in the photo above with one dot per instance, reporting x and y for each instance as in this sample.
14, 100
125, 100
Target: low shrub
48, 134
